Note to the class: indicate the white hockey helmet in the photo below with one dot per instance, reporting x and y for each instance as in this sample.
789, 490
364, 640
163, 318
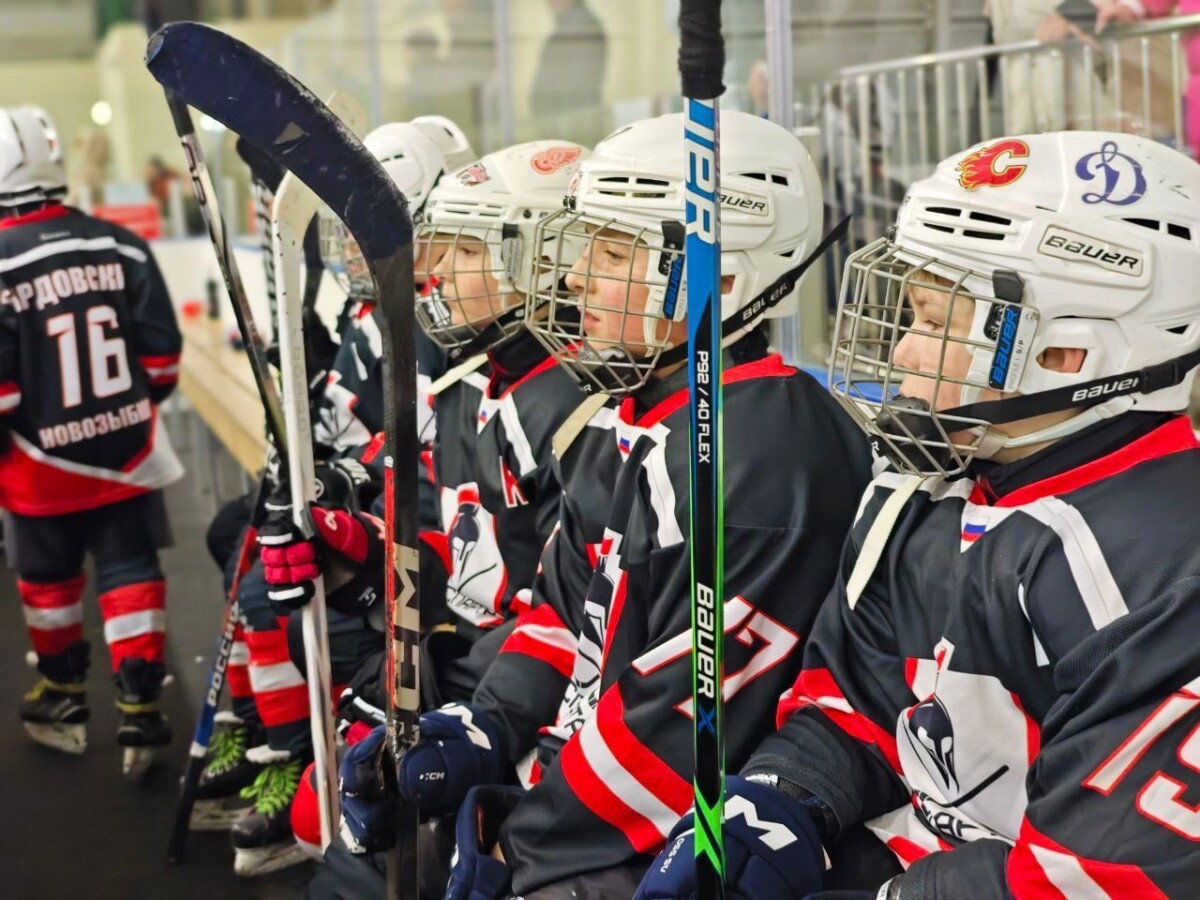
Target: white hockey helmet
31, 166
1077, 240
415, 154
632, 187
473, 298
450, 139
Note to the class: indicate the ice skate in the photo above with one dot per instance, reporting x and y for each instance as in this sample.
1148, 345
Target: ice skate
219, 801
142, 731
262, 840
143, 727
55, 715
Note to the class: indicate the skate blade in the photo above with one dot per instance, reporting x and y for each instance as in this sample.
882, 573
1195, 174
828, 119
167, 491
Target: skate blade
250, 863
214, 815
136, 761
64, 738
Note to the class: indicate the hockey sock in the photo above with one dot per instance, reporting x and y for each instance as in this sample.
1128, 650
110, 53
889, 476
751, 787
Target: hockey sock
54, 617
280, 692
135, 622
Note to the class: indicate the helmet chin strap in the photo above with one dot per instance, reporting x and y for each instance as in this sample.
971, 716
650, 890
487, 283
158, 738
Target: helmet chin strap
994, 441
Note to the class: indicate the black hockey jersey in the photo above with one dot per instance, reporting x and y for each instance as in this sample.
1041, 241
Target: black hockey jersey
794, 467
88, 346
350, 409
500, 499
524, 687
1018, 681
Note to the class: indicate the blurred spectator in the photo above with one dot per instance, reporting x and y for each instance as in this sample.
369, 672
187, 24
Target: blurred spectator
1043, 93
570, 73
159, 177
1191, 43
87, 168
758, 86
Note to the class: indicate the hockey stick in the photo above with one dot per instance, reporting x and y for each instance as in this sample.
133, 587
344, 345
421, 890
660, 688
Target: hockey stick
295, 205
701, 60
256, 99
206, 197
212, 696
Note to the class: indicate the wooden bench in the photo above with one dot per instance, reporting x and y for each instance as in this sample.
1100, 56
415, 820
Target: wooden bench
218, 383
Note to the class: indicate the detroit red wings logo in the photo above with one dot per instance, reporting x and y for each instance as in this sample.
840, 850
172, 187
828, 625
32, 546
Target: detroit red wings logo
992, 166
550, 160
474, 174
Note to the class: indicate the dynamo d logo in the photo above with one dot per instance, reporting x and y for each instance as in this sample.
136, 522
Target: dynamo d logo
1122, 180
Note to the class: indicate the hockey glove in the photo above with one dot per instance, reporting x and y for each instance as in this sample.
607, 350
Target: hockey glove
346, 482
771, 849
459, 749
474, 873
348, 548
368, 807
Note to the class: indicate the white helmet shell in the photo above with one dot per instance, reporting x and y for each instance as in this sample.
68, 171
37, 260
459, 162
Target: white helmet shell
771, 198
414, 157
450, 139
1104, 231
31, 167
516, 187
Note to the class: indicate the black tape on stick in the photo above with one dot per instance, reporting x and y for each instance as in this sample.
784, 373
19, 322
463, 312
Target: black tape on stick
701, 50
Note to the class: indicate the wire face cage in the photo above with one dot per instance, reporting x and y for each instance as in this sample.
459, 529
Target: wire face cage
342, 257
915, 339
470, 275
611, 301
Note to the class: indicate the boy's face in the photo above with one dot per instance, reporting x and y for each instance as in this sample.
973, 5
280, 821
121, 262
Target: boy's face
935, 313
468, 284
610, 280
428, 255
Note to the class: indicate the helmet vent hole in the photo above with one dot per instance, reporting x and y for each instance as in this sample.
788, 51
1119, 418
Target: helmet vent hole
983, 235
1179, 329
945, 210
1180, 231
632, 187
988, 217
945, 229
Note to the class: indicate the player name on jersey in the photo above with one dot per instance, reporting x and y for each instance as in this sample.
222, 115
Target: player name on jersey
77, 430
57, 285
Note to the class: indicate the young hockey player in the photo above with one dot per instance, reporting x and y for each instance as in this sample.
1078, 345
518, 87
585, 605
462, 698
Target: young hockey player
611, 653
266, 671
88, 347
498, 411
1004, 685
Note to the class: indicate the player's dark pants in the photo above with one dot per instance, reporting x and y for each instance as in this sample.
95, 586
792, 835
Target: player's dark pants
275, 656
124, 538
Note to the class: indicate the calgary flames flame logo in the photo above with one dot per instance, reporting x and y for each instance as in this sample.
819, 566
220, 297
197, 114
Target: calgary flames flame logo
992, 166
550, 160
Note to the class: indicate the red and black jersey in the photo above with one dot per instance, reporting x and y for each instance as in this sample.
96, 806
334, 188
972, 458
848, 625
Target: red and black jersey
350, 409
1012, 700
88, 346
494, 465
794, 468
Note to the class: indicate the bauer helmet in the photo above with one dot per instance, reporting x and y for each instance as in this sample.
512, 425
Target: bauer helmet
479, 238
415, 154
1083, 241
31, 166
626, 210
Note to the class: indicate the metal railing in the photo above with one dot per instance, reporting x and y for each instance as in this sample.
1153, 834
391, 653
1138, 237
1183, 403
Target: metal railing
885, 125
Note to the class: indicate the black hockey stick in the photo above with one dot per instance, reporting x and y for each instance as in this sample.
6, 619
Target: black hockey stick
206, 197
256, 99
212, 695
701, 61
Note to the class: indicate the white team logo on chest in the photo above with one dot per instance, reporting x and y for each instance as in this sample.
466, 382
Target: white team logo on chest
965, 748
607, 586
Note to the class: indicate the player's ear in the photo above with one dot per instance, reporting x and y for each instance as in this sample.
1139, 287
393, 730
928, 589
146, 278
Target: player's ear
1068, 360
727, 284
